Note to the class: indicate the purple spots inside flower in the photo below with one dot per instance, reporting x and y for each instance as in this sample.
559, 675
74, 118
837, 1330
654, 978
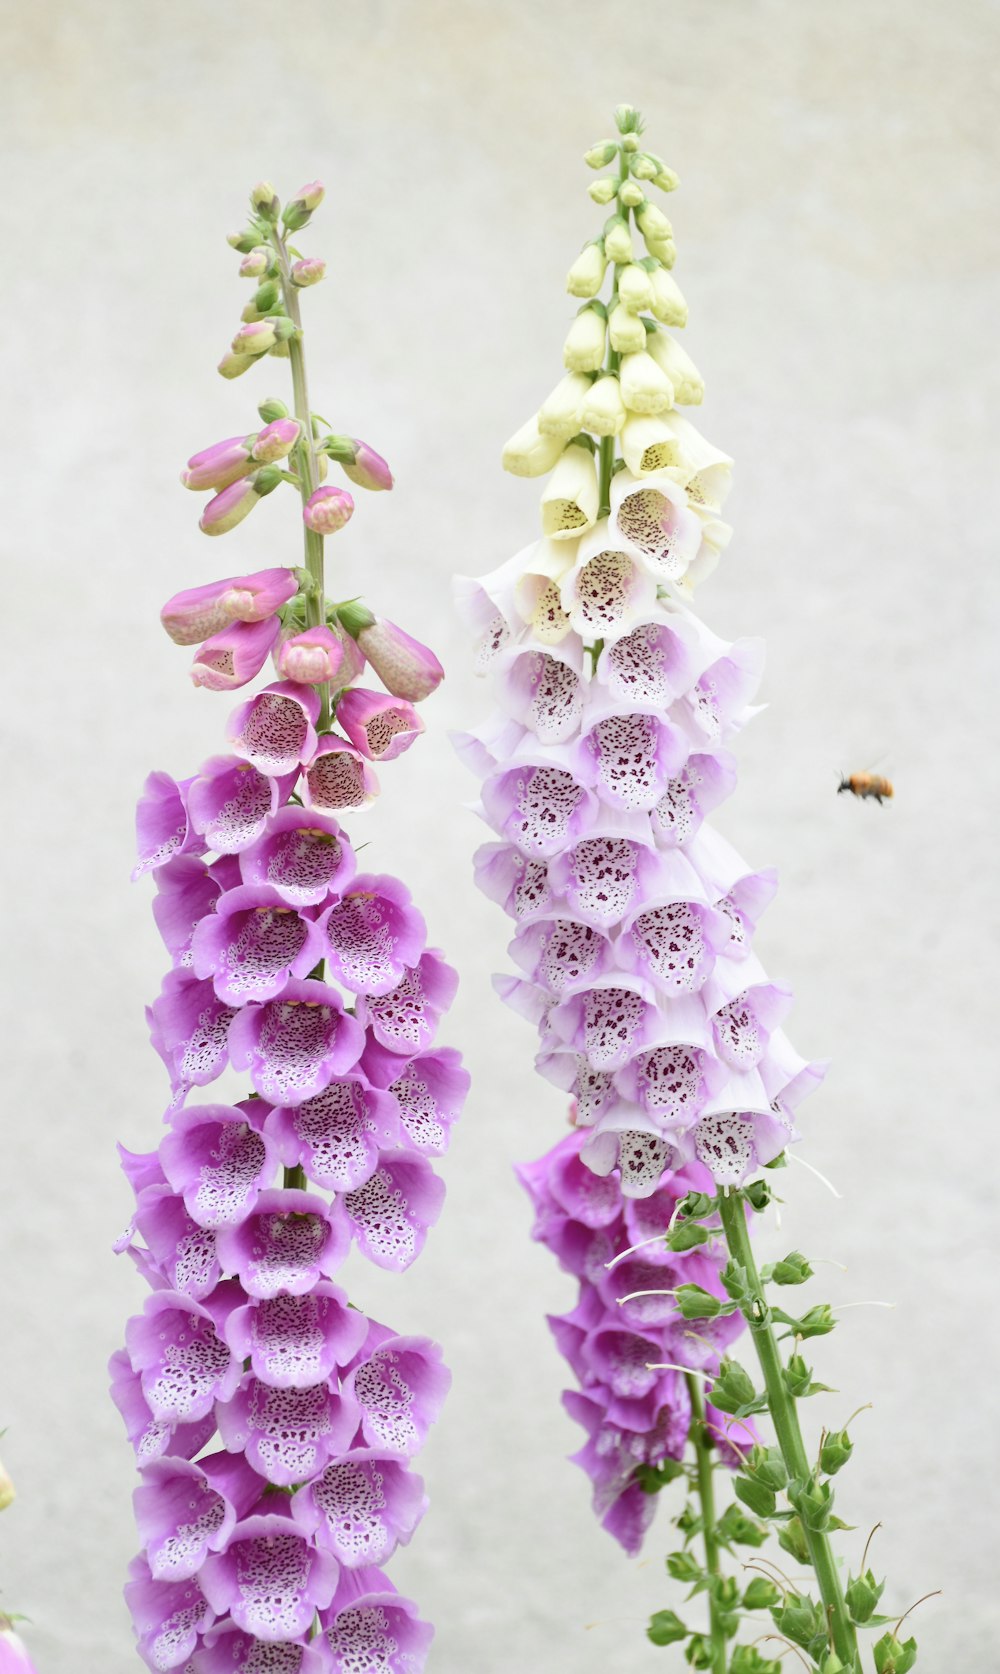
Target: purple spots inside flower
652, 523
274, 732
602, 877
603, 590
337, 780
546, 800
626, 751
492, 642
646, 666
556, 698
670, 942
382, 728
724, 1144
613, 1019
272, 1576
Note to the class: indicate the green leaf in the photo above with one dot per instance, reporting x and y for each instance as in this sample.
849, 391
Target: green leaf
755, 1495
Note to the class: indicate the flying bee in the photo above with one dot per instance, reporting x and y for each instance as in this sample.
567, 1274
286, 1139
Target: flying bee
867, 784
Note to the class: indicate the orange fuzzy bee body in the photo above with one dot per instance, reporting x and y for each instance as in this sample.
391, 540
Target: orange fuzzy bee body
867, 784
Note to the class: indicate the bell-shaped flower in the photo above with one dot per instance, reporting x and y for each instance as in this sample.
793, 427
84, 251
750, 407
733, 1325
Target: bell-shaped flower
371, 935
651, 665
520, 886
705, 780
625, 1139
228, 1650
545, 690
537, 802
339, 778
400, 1384
562, 955
592, 1091
189, 1027
338, 1135
253, 943
559, 414
608, 588
629, 758
380, 727
276, 729
645, 388
538, 590
672, 1083
704, 471
742, 1024
650, 444
716, 705
152, 1437
677, 367
186, 891
405, 667
369, 1625
406, 1019
530, 452
733, 1144
583, 350
650, 518
297, 1342
610, 1023
218, 1162
269, 1579
361, 1507
184, 1252
571, 496
486, 606
183, 1363
788, 1078
667, 301
620, 1359
287, 1434
290, 1241
392, 1212
183, 1511
311, 658
233, 657
605, 874
230, 802
429, 1088
293, 1046
673, 942
163, 828
167, 1617
303, 857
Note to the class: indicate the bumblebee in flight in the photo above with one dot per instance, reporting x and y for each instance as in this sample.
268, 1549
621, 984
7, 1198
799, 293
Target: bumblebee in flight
867, 784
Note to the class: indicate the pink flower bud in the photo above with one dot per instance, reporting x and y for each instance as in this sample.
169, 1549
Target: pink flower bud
405, 667
311, 196
312, 657
276, 440
309, 271
231, 658
193, 615
327, 510
14, 1658
368, 469
256, 264
218, 466
380, 727
229, 508
255, 338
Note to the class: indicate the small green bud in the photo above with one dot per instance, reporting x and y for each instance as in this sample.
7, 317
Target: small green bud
298, 211
817, 1322
666, 1628
761, 1594
732, 1385
244, 242
737, 1530
835, 1452
862, 1594
800, 1618
767, 1465
688, 1523
264, 199
696, 1206
600, 155
284, 328
797, 1376
832, 1664
628, 120
266, 480
735, 1281
267, 295
755, 1496
631, 194
793, 1269
725, 1590
792, 1538
683, 1566
687, 1235
630, 142
758, 1194
272, 409
892, 1657
813, 1500
603, 190
695, 1303
748, 1660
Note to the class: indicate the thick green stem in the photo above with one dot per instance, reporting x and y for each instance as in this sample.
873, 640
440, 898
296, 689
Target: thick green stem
306, 456
699, 1439
784, 1414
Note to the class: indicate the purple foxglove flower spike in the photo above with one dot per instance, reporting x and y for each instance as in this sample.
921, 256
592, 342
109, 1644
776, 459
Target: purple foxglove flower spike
273, 1421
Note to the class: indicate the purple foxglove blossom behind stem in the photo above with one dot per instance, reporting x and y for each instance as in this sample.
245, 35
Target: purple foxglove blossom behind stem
275, 1424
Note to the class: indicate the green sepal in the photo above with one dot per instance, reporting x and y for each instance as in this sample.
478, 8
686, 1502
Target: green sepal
792, 1538
766, 1465
798, 1379
813, 1500
893, 1656
698, 1651
582, 440
272, 409
696, 1206
354, 617
761, 1594
244, 242
735, 1281
683, 1566
725, 1590
266, 296
693, 1302
800, 1619
756, 1496
266, 480
736, 1530
862, 1594
792, 1269
666, 1628
817, 1322
596, 304
687, 1235
835, 1452
688, 1523
758, 1194
733, 1391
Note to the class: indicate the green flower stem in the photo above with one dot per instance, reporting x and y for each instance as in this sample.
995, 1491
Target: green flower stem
699, 1439
306, 454
782, 1408
606, 454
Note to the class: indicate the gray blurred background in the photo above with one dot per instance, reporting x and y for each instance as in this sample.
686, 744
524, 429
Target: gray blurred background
838, 244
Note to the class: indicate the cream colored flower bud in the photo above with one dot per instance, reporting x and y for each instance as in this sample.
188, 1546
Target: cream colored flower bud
586, 276
631, 194
603, 190
583, 350
603, 411
626, 330
649, 445
678, 367
630, 142
667, 300
559, 414
570, 498
617, 241
666, 180
600, 155
664, 249
645, 388
653, 223
529, 453
644, 167
635, 287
